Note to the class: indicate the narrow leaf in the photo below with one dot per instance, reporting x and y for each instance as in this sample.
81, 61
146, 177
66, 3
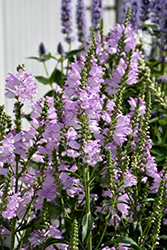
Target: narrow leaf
125, 240
27, 116
54, 241
87, 223
84, 227
72, 173
147, 200
34, 57
152, 26
58, 77
49, 93
73, 53
42, 80
5, 224
163, 237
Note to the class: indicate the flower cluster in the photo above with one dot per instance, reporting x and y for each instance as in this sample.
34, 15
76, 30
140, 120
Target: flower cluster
21, 85
86, 155
154, 12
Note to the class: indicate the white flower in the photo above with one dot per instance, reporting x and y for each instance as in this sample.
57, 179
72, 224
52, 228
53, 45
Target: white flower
143, 38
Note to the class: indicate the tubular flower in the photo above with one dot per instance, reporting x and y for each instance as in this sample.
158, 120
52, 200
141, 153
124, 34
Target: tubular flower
21, 86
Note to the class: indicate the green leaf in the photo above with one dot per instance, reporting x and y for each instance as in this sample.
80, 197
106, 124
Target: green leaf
53, 241
162, 122
73, 53
147, 200
57, 77
158, 72
27, 116
87, 223
67, 219
53, 211
108, 218
109, 235
163, 237
152, 26
160, 158
156, 152
33, 57
35, 223
48, 56
72, 173
123, 239
153, 63
124, 202
154, 119
135, 230
5, 224
49, 93
43, 80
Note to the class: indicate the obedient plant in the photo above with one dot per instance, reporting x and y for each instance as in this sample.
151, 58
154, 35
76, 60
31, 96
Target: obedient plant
85, 160
151, 38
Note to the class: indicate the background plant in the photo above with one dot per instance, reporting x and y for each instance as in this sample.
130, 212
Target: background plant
149, 18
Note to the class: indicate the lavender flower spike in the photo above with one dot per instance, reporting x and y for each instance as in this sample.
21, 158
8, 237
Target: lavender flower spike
135, 14
126, 4
96, 13
42, 51
81, 21
145, 6
66, 19
60, 49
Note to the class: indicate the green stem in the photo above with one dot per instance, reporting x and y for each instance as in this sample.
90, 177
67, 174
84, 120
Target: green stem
33, 149
61, 71
46, 70
44, 64
13, 234
22, 238
87, 196
1, 242
106, 225
164, 139
93, 172
68, 60
81, 244
144, 234
17, 157
62, 201
27, 212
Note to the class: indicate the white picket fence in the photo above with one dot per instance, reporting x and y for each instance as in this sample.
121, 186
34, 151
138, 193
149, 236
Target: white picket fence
24, 24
